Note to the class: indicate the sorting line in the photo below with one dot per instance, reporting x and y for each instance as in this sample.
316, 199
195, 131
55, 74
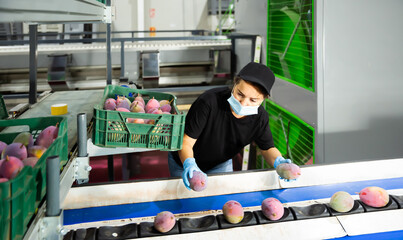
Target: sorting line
375, 236
248, 199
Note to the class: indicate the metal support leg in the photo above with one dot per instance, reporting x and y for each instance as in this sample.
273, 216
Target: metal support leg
33, 54
122, 59
108, 51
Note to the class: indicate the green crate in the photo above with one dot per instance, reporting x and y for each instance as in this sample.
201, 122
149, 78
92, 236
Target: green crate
21, 196
292, 136
111, 128
3, 109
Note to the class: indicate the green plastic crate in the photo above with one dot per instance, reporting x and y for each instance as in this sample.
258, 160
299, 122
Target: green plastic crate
111, 128
21, 196
3, 109
292, 136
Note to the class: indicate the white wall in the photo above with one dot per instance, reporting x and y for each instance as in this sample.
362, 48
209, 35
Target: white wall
163, 15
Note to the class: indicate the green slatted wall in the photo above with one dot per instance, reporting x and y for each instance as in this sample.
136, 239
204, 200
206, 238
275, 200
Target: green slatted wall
289, 41
286, 127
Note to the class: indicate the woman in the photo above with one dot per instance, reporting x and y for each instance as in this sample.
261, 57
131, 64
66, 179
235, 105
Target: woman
222, 121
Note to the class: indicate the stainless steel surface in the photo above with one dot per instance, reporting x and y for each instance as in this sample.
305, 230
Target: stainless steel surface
295, 99
50, 12
251, 25
359, 88
77, 102
82, 135
52, 186
33, 55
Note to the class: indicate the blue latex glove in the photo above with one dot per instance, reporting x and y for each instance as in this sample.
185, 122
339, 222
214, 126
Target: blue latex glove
279, 160
188, 167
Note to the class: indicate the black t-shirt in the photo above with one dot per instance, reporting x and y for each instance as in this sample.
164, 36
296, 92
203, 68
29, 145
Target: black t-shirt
220, 135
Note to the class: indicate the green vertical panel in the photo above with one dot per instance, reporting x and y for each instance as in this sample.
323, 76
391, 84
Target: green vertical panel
289, 40
292, 137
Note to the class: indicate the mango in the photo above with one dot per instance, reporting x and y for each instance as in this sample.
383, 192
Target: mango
288, 171
139, 98
164, 221
47, 136
11, 167
141, 104
156, 111
30, 161
24, 138
233, 211
3, 180
272, 208
122, 109
137, 108
374, 196
198, 182
110, 104
36, 151
152, 103
17, 150
341, 202
3, 145
166, 108
123, 102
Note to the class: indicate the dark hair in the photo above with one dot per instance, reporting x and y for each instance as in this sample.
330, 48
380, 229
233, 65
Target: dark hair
261, 90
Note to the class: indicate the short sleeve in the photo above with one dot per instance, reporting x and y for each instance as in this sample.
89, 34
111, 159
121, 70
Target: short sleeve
196, 118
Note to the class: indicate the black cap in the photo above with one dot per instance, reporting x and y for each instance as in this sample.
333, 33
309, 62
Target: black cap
258, 73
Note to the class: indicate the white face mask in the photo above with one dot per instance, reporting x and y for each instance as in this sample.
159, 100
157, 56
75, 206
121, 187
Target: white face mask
241, 110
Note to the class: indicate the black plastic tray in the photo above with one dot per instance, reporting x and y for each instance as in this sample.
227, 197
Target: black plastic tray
357, 208
262, 219
147, 229
117, 232
312, 211
248, 219
206, 223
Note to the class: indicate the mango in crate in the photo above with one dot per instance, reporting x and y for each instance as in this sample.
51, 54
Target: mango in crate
110, 104
152, 104
30, 161
10, 167
36, 151
24, 138
3, 145
47, 136
17, 150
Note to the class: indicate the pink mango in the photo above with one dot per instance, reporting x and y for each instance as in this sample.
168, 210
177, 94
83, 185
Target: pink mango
166, 108
140, 99
272, 208
198, 182
3, 180
152, 103
164, 221
3, 145
156, 111
47, 136
110, 104
374, 196
17, 150
233, 211
122, 109
123, 102
11, 167
288, 171
30, 161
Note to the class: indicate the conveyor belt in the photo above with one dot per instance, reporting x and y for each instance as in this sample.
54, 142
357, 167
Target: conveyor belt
249, 199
